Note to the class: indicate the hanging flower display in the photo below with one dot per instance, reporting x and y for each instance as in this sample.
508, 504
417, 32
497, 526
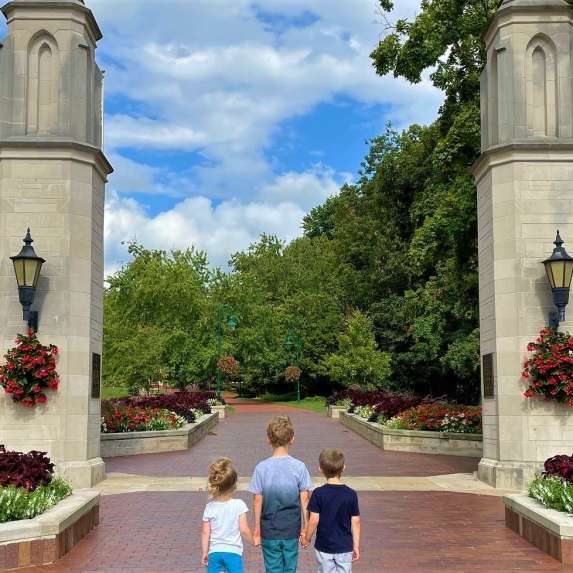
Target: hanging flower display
292, 374
29, 370
549, 371
228, 365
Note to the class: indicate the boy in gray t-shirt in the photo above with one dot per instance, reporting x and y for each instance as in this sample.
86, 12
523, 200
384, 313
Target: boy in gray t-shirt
281, 485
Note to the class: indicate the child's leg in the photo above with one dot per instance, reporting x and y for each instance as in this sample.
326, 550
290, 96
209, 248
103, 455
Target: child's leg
325, 562
290, 555
233, 563
343, 562
216, 563
273, 555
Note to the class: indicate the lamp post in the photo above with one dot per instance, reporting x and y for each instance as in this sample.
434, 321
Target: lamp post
27, 267
225, 315
294, 347
559, 269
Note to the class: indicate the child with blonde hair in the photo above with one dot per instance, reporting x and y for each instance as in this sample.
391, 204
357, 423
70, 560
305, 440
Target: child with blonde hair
224, 521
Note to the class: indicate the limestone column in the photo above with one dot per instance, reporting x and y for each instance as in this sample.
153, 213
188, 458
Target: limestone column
52, 179
525, 193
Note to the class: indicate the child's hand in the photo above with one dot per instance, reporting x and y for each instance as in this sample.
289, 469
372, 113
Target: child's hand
205, 559
257, 538
356, 554
304, 541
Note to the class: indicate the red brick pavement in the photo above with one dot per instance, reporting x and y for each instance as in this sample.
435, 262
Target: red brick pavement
242, 437
411, 532
403, 531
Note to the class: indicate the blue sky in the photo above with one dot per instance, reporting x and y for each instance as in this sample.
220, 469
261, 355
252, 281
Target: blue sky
229, 118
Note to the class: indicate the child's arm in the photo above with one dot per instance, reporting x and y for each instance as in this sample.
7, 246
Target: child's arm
205, 535
245, 529
355, 538
310, 528
257, 513
304, 499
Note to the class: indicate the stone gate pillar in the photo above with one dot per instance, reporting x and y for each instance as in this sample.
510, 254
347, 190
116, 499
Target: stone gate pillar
52, 179
525, 193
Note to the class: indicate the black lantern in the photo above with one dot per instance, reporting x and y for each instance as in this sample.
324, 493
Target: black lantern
27, 266
559, 268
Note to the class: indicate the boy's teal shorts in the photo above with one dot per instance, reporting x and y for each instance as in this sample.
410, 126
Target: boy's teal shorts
280, 555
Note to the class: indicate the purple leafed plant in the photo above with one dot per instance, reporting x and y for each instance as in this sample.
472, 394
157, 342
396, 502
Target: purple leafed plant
25, 470
559, 466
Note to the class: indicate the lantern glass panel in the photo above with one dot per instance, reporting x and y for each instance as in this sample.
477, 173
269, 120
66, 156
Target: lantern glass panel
30, 268
549, 271
558, 269
19, 270
568, 273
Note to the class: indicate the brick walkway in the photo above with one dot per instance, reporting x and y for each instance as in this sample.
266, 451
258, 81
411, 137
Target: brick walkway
242, 437
407, 532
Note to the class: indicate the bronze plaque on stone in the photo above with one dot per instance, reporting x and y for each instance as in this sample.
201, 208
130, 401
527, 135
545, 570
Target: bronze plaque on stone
96, 376
488, 377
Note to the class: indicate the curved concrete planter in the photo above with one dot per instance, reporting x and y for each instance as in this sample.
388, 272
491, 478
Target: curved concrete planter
221, 410
50, 536
469, 445
549, 530
133, 443
335, 411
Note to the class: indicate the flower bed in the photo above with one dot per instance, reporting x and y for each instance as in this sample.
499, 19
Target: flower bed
27, 485
554, 487
156, 413
406, 412
118, 418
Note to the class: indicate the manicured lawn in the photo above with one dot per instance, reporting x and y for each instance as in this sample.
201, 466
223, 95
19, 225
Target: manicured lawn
114, 392
314, 404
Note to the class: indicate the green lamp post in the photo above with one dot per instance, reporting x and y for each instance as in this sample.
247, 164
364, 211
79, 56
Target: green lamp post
293, 343
225, 317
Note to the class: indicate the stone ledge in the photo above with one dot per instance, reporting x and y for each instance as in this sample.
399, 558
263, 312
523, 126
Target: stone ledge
548, 529
425, 442
134, 443
335, 411
50, 536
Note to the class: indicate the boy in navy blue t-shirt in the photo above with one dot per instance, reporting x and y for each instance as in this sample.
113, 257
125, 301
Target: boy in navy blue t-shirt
334, 512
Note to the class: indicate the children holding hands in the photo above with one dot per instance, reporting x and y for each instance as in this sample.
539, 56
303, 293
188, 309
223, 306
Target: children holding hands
281, 486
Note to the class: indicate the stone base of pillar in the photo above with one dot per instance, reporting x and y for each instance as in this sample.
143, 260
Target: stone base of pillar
82, 475
506, 474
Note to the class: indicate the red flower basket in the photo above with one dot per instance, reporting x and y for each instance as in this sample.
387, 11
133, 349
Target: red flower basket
29, 371
549, 371
293, 374
228, 365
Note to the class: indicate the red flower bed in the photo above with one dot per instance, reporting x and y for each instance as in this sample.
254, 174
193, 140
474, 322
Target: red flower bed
118, 418
444, 417
29, 371
182, 403
385, 403
559, 466
549, 371
25, 470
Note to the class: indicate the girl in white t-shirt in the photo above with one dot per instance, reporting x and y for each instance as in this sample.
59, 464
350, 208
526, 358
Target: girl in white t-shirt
224, 521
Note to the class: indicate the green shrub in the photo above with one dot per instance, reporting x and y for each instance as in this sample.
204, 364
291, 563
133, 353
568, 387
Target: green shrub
552, 492
396, 423
16, 503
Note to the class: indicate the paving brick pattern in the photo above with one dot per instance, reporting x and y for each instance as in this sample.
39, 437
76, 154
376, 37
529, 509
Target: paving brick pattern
410, 532
242, 437
403, 532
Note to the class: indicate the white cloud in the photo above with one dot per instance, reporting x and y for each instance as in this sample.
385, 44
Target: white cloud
218, 229
218, 79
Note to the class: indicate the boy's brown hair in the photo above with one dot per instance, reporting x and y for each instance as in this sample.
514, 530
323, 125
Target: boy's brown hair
222, 478
280, 431
331, 462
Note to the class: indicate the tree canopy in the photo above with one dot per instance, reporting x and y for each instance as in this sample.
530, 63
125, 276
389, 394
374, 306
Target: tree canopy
382, 288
